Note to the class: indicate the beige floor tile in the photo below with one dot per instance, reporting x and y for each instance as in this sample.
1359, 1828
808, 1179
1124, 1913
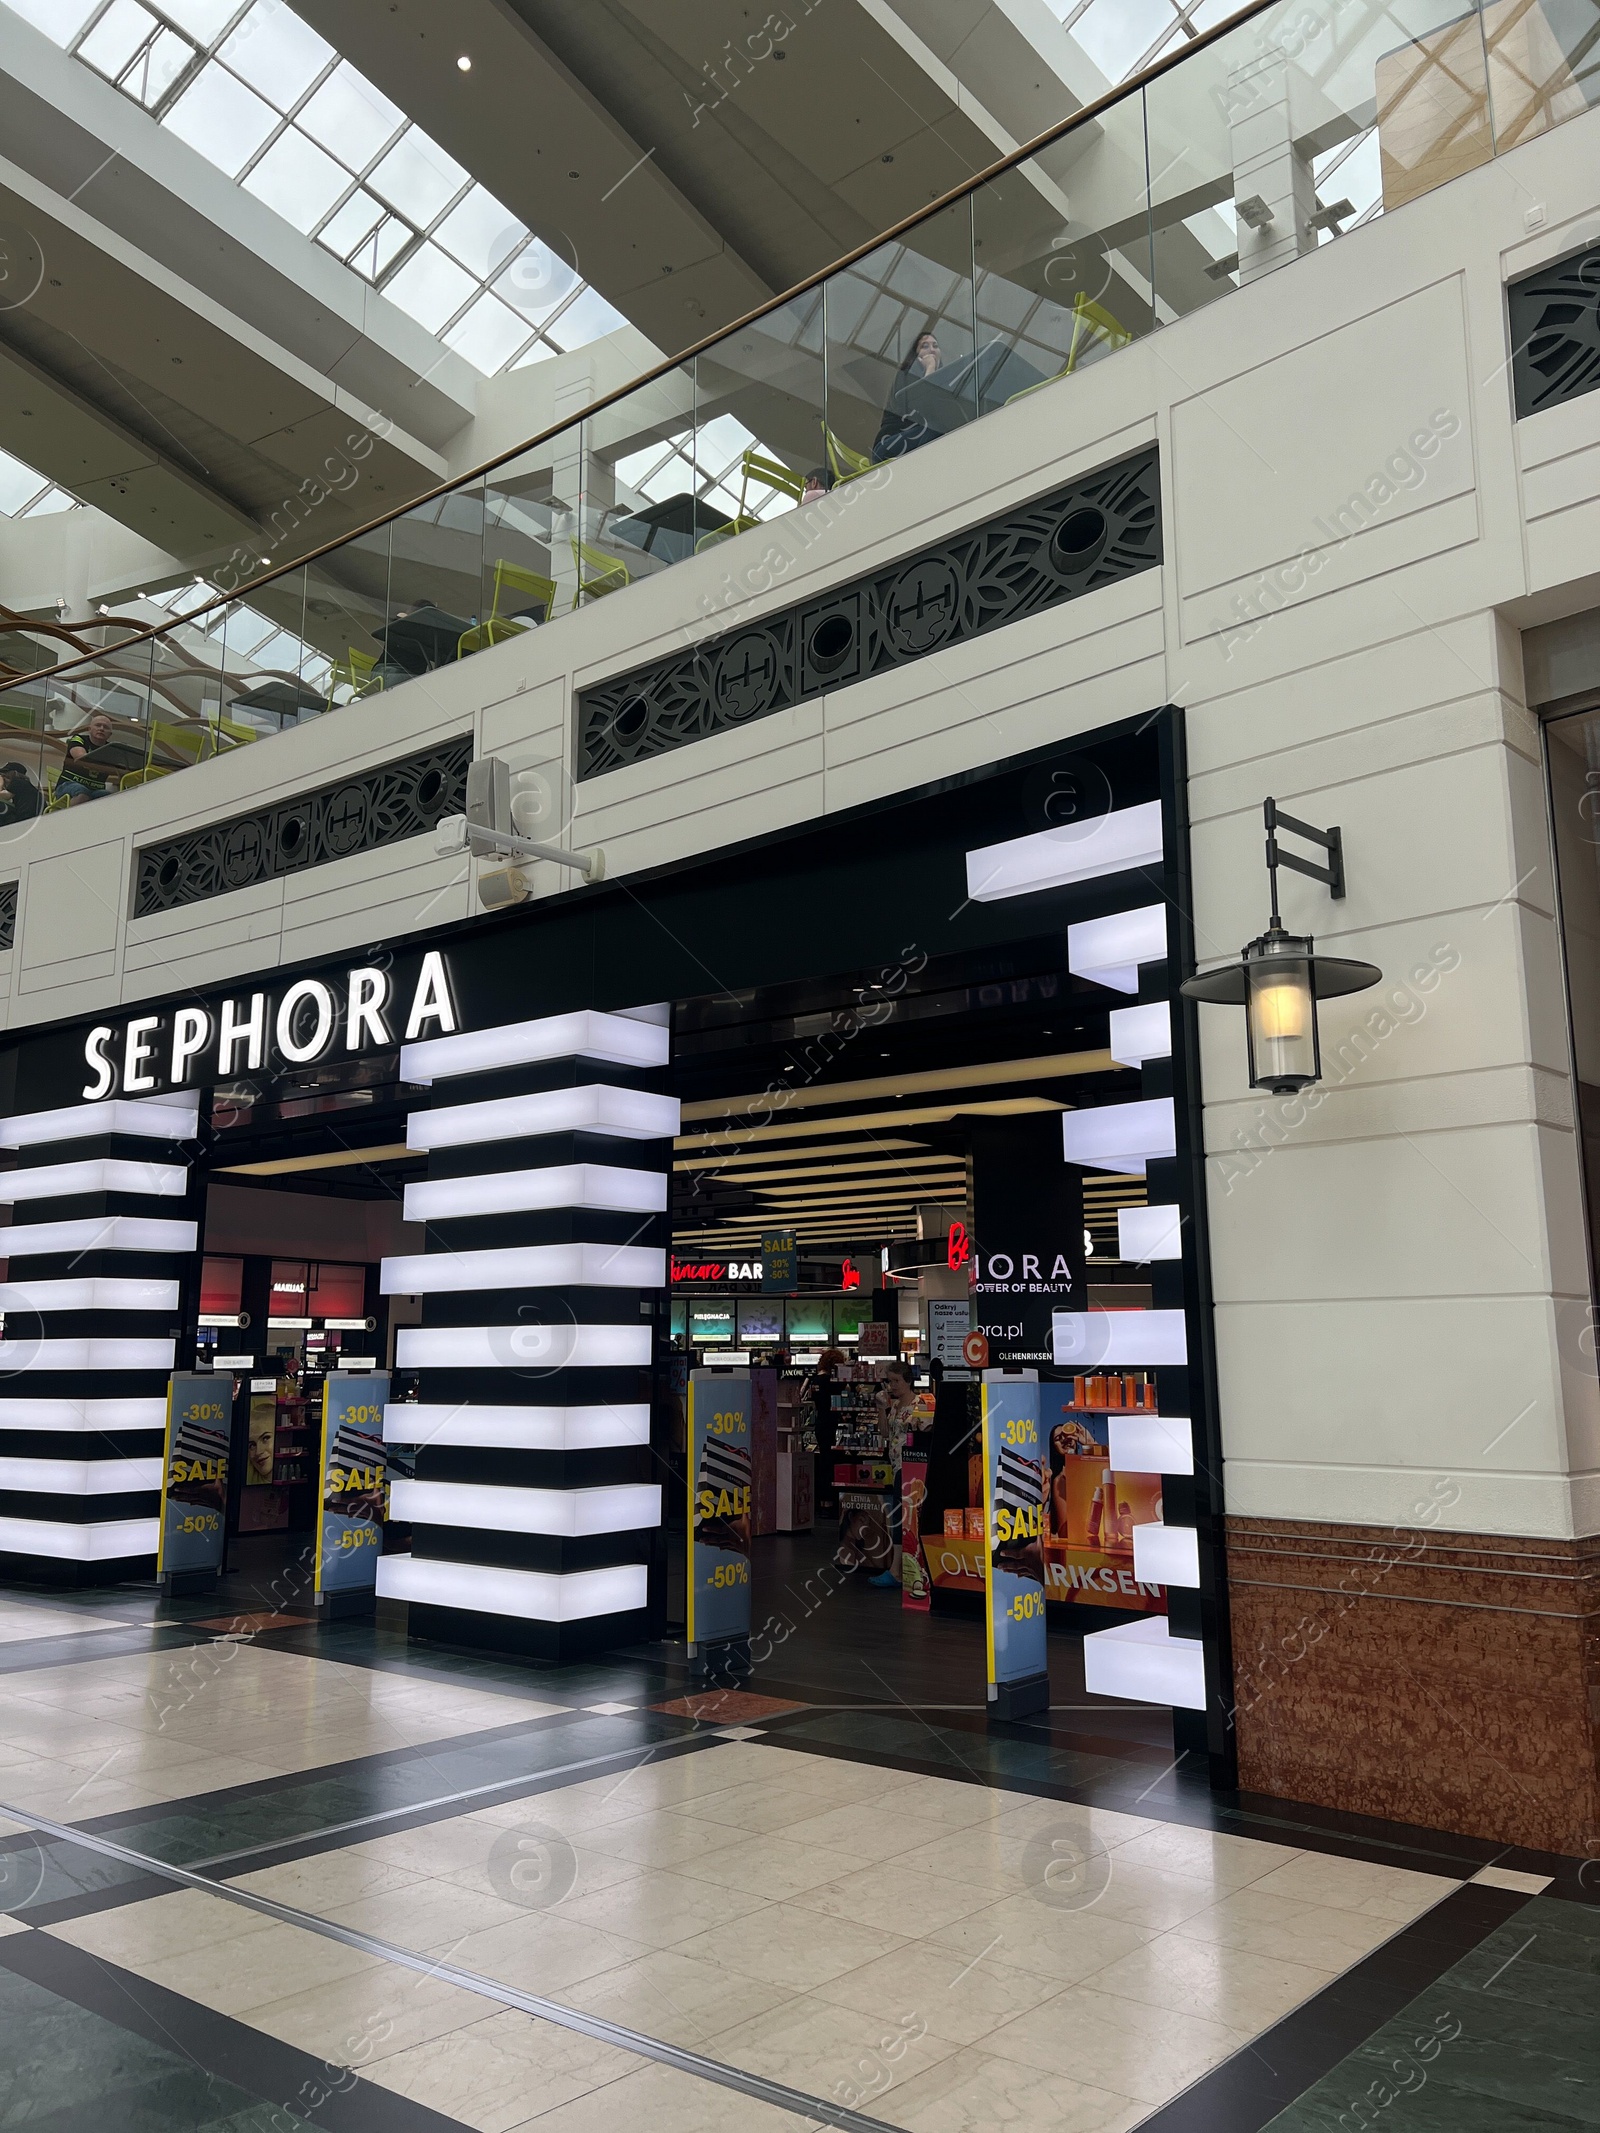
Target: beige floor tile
679, 1999
1064, 1945
658, 1910
234, 1976
854, 2056
420, 1914
759, 1808
161, 1926
1108, 1827
1226, 1985
1203, 1855
944, 1803
892, 1896
539, 1951
1115, 2044
1143, 1895
325, 1879
18, 1624
784, 1945
1357, 1885
487, 2074
658, 2099
665, 1840
959, 1999
977, 1859
772, 1868
851, 1828
367, 2018
972, 2092
8, 1924
569, 1808
1282, 1927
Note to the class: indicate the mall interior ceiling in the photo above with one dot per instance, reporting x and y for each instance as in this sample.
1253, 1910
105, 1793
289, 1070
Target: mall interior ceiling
404, 212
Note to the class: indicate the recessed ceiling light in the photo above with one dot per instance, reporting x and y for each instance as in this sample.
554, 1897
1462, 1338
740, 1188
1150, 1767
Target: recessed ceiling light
465, 63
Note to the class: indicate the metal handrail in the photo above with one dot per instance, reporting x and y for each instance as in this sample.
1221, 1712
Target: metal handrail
1133, 86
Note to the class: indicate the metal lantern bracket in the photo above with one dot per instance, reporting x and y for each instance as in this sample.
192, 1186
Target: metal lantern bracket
1331, 840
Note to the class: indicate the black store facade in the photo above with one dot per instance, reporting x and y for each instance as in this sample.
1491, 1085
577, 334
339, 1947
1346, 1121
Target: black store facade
518, 1078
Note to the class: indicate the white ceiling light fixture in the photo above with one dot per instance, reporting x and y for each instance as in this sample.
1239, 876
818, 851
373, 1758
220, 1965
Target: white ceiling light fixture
79, 1477
108, 1353
60, 1181
93, 1292
68, 1541
1150, 1444
515, 1429
616, 1040
528, 1595
83, 1417
1108, 951
569, 1514
528, 1266
1166, 1555
1146, 1233
1141, 1033
174, 1119
101, 1233
1113, 843
1119, 1340
522, 1346
593, 1107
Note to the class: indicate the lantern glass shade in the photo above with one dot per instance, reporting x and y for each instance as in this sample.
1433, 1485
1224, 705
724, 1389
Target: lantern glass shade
1281, 1013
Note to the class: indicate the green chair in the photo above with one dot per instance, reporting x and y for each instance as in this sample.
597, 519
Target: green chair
1091, 322
610, 573
359, 669
843, 463
772, 474
509, 578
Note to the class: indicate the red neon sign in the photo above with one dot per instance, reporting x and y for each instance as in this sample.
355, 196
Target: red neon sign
959, 1247
851, 1274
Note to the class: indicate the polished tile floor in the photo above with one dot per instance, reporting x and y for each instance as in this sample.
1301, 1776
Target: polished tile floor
270, 1875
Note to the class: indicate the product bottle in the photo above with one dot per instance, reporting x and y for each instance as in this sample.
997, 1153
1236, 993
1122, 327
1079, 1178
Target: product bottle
1097, 1505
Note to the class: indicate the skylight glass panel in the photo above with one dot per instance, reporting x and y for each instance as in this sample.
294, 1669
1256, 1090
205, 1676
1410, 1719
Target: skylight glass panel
350, 117
157, 67
60, 20
356, 220
52, 500
536, 282
417, 177
489, 334
117, 36
377, 253
19, 484
479, 234
297, 180
222, 118
205, 20
431, 287
585, 319
276, 53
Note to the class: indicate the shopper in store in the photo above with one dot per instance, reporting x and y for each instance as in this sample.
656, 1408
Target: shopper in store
903, 427
817, 1397
20, 798
897, 1413
78, 778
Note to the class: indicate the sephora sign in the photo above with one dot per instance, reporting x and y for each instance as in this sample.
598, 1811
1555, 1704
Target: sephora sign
363, 1009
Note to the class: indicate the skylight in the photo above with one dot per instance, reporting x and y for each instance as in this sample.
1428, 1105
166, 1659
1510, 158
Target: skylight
25, 493
277, 109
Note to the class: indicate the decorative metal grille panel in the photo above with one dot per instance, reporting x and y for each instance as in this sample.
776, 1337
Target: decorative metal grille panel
8, 914
1104, 527
1555, 332
356, 814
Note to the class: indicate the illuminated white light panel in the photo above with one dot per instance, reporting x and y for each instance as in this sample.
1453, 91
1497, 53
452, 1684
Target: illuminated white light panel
1146, 1233
518, 1347
92, 1354
1084, 1340
1166, 1555
1141, 1662
1108, 951
517, 1192
1141, 1033
175, 1119
101, 1233
623, 1507
1151, 1444
83, 1415
519, 1429
79, 1477
529, 1266
71, 1543
531, 1595
1121, 1137
57, 1181
617, 1040
596, 1107
90, 1292
1077, 851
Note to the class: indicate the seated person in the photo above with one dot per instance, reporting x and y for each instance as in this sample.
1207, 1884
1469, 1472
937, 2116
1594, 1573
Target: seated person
20, 797
818, 482
903, 428
79, 779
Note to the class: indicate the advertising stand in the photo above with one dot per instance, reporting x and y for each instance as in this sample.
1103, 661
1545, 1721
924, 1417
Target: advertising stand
717, 1585
352, 1496
194, 1484
1013, 1526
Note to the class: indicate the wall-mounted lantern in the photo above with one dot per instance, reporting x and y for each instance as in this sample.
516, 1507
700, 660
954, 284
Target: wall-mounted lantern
1278, 979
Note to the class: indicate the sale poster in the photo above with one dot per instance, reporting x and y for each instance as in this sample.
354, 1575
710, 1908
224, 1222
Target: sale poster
354, 1492
1091, 1511
1013, 1531
194, 1480
721, 1404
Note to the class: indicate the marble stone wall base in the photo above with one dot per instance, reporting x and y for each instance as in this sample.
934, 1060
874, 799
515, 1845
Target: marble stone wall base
1445, 1679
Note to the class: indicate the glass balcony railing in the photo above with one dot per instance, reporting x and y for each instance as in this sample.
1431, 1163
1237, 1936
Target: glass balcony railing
1285, 128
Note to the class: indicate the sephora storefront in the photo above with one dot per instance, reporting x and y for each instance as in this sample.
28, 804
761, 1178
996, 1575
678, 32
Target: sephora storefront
536, 1109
